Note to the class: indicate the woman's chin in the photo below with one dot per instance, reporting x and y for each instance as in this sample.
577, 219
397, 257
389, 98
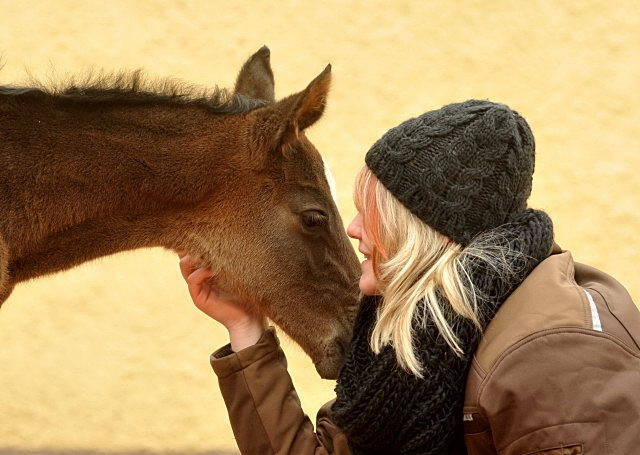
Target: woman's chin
368, 288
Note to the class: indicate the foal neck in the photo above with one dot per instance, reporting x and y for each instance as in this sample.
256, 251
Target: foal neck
89, 180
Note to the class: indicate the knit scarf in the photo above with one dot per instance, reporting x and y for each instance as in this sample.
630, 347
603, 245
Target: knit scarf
385, 410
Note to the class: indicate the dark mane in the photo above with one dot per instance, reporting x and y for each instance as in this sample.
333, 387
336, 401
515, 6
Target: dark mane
134, 87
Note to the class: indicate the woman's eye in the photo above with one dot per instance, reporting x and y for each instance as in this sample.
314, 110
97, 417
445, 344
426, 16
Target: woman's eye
313, 218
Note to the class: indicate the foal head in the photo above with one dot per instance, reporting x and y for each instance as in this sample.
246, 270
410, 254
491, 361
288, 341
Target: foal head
279, 241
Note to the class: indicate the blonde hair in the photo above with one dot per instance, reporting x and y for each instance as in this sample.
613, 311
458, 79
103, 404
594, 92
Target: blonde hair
414, 264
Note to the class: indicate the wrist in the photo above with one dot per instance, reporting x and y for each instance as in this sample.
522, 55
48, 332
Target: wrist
246, 333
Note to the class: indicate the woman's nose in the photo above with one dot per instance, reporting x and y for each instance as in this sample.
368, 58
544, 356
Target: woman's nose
353, 230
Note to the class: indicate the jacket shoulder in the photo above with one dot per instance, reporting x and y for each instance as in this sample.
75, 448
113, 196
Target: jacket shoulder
537, 378
560, 293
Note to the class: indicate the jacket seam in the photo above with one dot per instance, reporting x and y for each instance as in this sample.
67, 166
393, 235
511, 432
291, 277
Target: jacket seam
255, 406
544, 428
476, 366
571, 277
561, 446
543, 333
482, 374
616, 318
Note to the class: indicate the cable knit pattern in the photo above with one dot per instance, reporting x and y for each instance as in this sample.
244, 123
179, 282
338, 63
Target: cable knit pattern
385, 410
462, 169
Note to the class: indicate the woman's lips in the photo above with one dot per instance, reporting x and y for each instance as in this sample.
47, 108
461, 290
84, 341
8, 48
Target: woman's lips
367, 257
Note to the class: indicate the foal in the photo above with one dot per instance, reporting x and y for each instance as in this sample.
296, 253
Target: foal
116, 164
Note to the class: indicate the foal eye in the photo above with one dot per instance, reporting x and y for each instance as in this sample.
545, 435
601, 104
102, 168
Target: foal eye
313, 218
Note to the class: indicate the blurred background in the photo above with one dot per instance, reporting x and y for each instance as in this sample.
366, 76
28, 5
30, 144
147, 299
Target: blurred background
112, 357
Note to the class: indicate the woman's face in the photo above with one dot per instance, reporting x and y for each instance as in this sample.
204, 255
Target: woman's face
368, 283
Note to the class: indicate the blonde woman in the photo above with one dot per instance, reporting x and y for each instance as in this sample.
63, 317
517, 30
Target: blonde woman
476, 333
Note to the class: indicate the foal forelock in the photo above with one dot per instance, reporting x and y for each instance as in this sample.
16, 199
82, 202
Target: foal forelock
332, 182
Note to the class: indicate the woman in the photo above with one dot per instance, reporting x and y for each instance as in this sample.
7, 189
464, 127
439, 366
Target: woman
472, 321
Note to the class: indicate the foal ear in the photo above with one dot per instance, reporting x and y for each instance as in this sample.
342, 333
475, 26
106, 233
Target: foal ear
312, 100
281, 123
255, 79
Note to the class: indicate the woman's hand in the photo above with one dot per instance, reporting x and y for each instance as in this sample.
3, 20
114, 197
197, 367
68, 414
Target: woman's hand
244, 326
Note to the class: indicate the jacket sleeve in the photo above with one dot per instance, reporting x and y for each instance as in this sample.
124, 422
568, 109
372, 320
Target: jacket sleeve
264, 408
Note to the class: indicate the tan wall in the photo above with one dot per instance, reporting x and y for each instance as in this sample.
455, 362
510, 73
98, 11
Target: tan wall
112, 357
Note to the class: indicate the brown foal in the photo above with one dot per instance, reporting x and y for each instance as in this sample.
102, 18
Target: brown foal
117, 163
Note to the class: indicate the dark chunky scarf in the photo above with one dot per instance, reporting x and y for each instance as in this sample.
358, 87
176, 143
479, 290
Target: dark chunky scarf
385, 410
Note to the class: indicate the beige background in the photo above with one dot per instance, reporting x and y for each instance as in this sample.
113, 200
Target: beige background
112, 357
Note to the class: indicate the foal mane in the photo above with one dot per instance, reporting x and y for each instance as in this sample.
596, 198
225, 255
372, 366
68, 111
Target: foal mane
134, 87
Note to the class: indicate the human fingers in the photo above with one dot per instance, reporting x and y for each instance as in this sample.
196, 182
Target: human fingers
198, 276
198, 291
187, 266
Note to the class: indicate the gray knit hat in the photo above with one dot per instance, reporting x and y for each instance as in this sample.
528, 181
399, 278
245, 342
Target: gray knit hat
462, 169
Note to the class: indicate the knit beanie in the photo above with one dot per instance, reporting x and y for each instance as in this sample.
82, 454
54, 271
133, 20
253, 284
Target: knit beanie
462, 169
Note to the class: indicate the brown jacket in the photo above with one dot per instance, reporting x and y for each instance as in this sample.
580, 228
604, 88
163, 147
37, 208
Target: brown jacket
556, 373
